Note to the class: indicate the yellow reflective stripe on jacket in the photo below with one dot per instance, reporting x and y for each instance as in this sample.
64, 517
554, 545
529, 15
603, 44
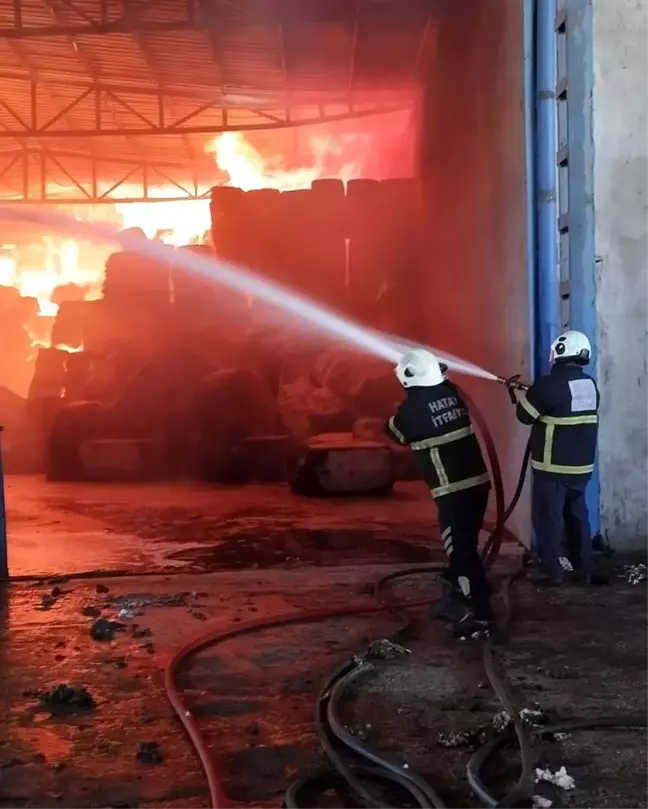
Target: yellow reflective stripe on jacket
551, 422
530, 409
569, 421
435, 455
395, 431
548, 444
440, 440
445, 487
460, 485
560, 469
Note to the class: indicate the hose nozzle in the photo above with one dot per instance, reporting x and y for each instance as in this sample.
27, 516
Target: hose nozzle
512, 384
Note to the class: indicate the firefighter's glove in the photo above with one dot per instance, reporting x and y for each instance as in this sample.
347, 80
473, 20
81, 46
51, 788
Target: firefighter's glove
512, 384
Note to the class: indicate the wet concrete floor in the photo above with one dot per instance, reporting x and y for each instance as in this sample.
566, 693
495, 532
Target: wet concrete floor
59, 528
573, 652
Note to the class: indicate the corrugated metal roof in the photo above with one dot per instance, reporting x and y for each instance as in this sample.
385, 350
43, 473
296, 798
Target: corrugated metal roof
236, 58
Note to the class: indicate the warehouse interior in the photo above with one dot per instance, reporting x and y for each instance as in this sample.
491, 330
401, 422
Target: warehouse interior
369, 155
219, 584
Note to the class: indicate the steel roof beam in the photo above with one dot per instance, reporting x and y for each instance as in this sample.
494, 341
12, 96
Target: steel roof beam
267, 119
153, 67
226, 14
31, 170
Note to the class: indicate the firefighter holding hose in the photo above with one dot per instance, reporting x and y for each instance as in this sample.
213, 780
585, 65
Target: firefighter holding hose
562, 410
434, 422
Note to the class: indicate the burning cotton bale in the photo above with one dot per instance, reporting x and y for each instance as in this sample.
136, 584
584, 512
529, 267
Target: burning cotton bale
78, 371
135, 278
49, 374
230, 233
68, 326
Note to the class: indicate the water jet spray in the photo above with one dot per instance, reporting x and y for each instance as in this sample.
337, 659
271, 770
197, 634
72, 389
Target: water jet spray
246, 282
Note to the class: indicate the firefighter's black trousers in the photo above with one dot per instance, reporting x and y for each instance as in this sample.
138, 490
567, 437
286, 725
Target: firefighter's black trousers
461, 515
559, 515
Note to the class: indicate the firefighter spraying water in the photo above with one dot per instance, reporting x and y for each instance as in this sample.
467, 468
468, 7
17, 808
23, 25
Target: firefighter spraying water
562, 410
434, 421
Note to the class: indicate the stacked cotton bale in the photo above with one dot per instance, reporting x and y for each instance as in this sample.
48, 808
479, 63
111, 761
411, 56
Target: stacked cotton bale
297, 231
328, 242
74, 425
135, 308
69, 324
400, 230
49, 374
196, 297
232, 406
18, 316
135, 280
233, 243
365, 261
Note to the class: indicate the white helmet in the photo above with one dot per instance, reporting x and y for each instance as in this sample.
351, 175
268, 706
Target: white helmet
419, 368
572, 345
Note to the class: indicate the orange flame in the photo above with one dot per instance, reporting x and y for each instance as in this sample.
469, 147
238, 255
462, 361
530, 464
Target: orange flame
63, 263
58, 265
249, 170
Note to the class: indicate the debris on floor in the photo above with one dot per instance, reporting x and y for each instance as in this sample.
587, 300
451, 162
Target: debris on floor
469, 739
382, 649
501, 721
435, 698
49, 599
560, 778
103, 629
141, 600
634, 574
361, 732
138, 631
149, 753
530, 717
66, 699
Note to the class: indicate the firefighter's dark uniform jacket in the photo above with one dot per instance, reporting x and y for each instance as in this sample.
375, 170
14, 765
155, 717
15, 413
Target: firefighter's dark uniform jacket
563, 409
435, 423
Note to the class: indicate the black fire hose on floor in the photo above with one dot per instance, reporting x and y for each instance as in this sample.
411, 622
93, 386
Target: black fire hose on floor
338, 744
329, 728
335, 738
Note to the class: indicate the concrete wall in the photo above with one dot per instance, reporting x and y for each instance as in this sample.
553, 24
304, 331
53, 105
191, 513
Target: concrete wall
620, 127
473, 169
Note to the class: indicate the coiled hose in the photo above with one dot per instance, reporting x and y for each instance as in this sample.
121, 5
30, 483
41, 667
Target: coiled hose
333, 735
326, 719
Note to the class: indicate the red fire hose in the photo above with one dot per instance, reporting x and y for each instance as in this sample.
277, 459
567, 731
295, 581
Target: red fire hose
215, 637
